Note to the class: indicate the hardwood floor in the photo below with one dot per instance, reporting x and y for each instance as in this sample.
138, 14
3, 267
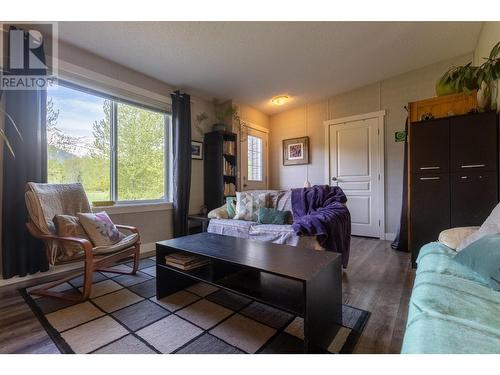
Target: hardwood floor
378, 279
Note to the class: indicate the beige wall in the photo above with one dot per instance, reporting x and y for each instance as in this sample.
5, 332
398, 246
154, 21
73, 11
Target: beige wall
489, 36
197, 197
390, 94
253, 116
153, 226
90, 61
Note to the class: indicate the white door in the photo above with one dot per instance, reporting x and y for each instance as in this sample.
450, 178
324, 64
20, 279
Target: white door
356, 165
254, 160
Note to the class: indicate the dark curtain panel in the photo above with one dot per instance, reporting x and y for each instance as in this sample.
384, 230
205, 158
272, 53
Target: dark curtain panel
181, 130
401, 241
21, 253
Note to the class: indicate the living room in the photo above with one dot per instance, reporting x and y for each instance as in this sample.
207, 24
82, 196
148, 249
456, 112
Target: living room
202, 188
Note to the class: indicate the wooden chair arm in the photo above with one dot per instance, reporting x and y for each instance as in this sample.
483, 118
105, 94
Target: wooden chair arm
127, 227
86, 245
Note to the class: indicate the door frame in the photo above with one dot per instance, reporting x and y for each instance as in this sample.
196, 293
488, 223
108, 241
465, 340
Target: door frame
380, 115
262, 129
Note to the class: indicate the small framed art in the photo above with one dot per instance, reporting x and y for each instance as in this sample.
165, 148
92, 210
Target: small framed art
196, 150
296, 151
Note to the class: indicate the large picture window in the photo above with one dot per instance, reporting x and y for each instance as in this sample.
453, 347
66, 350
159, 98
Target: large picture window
117, 150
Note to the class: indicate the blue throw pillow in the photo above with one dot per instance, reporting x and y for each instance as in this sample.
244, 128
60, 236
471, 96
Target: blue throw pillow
271, 216
483, 257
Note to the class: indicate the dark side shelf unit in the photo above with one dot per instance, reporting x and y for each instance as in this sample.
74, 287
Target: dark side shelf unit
220, 168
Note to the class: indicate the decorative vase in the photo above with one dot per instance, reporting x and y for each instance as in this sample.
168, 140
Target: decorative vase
219, 127
484, 96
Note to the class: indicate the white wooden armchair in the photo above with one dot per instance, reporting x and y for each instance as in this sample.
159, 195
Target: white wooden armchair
44, 202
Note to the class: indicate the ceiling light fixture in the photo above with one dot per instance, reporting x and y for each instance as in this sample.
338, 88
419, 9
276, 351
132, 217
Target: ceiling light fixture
280, 99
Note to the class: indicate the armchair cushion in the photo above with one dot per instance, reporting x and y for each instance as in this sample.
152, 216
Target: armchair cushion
124, 243
69, 226
100, 228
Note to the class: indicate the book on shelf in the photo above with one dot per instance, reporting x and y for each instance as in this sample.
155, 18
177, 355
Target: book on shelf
229, 169
189, 266
229, 147
229, 189
185, 261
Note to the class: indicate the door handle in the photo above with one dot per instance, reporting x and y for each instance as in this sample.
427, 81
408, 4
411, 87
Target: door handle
334, 178
473, 166
427, 168
429, 178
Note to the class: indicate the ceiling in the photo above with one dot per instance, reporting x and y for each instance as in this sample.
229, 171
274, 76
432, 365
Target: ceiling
252, 61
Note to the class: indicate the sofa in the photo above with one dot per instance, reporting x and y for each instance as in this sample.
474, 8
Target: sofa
280, 234
452, 308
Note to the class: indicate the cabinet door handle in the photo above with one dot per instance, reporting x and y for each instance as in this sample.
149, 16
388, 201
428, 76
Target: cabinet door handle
473, 166
429, 178
427, 168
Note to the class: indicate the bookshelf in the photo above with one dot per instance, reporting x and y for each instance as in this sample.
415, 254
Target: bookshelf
220, 167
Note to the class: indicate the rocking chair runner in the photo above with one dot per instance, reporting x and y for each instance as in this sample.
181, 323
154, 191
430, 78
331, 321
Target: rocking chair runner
44, 202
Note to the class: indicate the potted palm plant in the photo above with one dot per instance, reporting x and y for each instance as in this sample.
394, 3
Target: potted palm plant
222, 115
468, 78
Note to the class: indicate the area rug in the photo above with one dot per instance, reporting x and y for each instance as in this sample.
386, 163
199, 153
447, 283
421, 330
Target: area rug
124, 316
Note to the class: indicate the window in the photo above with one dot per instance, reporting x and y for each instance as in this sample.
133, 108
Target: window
116, 150
254, 158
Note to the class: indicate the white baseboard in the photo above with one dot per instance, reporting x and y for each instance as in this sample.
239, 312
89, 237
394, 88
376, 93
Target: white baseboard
147, 249
390, 236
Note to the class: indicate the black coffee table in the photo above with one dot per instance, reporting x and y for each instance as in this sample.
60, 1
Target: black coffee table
304, 282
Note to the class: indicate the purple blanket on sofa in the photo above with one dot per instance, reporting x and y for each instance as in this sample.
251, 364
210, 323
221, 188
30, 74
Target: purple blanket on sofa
320, 211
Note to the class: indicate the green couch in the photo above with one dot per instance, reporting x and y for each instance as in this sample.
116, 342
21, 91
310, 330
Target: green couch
452, 308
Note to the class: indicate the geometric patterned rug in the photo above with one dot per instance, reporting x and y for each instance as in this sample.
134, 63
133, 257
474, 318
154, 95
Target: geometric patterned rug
123, 316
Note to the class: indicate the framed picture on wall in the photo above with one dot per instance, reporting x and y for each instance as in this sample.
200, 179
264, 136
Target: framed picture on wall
196, 150
296, 151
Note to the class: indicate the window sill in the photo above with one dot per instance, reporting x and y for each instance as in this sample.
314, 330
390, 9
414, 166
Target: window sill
128, 208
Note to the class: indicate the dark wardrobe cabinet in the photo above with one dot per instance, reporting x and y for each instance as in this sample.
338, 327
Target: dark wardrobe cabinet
453, 174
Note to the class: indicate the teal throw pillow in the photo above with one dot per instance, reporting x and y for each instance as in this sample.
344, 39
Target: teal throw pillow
231, 206
272, 216
483, 257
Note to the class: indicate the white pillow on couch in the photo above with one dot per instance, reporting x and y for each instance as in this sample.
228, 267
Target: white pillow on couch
490, 226
453, 237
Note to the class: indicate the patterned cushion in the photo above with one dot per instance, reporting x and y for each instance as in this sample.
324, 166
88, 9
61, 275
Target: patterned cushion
248, 204
69, 226
100, 228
